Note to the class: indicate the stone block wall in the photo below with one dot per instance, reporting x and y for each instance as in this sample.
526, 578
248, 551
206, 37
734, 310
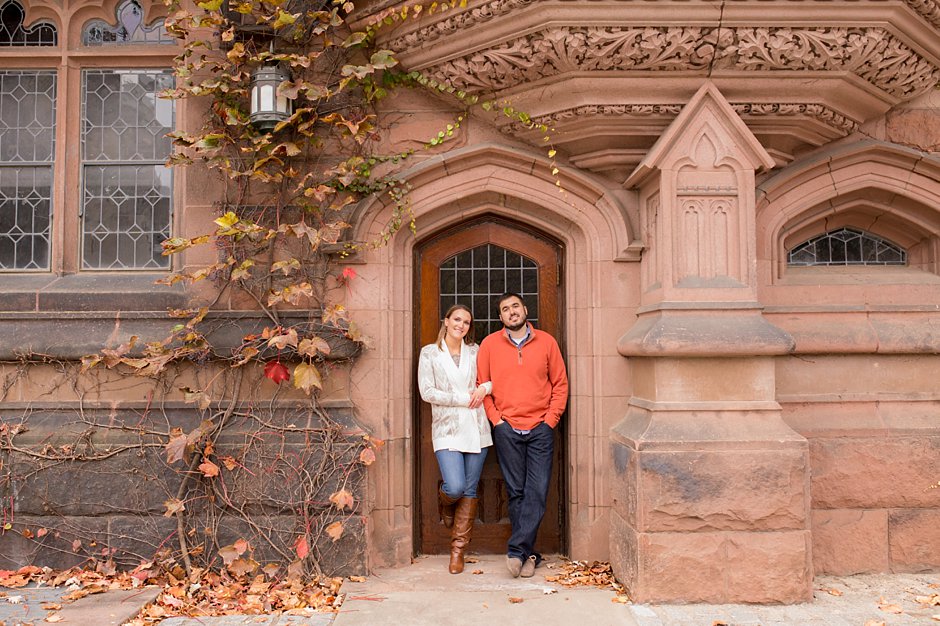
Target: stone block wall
63, 512
874, 464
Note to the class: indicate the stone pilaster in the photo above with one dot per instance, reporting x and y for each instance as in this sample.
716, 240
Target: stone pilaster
710, 486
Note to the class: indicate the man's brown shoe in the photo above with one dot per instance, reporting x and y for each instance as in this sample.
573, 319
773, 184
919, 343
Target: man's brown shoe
528, 568
514, 565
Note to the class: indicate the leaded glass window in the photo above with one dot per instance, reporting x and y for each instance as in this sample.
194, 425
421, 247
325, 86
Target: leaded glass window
847, 246
477, 277
129, 27
126, 206
14, 33
27, 149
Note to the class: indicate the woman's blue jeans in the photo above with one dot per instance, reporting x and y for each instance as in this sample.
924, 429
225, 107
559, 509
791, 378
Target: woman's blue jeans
460, 471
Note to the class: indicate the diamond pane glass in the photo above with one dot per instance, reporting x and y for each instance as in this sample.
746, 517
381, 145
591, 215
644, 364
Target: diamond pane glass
847, 246
126, 216
13, 33
129, 27
27, 148
27, 116
25, 217
126, 206
477, 277
123, 117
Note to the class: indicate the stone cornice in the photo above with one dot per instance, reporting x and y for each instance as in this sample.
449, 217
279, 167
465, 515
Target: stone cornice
929, 10
821, 113
873, 54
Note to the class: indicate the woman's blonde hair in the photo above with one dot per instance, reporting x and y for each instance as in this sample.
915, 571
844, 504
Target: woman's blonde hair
468, 338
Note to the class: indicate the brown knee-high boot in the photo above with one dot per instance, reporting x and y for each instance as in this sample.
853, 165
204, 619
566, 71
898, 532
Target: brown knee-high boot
445, 507
460, 535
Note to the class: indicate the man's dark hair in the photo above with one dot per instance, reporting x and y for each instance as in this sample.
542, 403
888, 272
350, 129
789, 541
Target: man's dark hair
507, 296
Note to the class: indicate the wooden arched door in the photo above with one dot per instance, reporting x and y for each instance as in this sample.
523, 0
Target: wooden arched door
473, 264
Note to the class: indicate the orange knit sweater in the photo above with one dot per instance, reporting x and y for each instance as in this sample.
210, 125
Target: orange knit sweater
530, 384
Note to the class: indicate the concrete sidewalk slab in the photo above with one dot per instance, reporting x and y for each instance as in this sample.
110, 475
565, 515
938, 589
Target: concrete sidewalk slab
837, 601
425, 593
23, 605
317, 619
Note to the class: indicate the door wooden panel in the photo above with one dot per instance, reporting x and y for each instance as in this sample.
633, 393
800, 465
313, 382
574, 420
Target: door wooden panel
492, 526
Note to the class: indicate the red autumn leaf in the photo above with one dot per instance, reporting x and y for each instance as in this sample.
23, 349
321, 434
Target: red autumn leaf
348, 274
208, 468
276, 372
301, 547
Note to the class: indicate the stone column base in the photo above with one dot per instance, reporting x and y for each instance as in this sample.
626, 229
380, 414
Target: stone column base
710, 506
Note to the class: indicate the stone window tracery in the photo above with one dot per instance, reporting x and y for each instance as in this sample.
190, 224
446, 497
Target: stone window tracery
847, 246
128, 28
14, 33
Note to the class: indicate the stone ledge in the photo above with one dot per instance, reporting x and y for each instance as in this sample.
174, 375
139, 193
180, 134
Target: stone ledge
704, 334
89, 292
70, 335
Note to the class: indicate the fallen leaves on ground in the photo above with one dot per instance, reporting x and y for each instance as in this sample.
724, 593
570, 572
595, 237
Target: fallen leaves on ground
931, 600
217, 593
203, 593
515, 600
889, 607
831, 591
584, 573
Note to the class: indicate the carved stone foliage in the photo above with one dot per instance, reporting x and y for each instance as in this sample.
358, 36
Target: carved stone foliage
873, 54
927, 9
458, 23
838, 122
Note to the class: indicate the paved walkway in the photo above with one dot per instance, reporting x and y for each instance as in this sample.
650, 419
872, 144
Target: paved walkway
424, 594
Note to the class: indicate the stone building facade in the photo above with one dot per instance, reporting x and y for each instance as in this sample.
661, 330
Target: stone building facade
738, 255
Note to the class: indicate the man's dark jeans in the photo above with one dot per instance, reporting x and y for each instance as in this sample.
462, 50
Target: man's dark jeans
526, 461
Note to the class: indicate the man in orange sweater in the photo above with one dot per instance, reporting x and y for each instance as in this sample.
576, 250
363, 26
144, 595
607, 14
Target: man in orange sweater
530, 391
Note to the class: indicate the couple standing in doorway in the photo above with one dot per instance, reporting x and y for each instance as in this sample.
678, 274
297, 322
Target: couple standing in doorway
509, 391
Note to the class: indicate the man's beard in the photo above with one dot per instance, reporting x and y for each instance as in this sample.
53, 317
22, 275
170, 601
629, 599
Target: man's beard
518, 326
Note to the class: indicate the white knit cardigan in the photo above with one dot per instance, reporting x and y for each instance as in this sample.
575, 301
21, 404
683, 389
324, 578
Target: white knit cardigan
447, 388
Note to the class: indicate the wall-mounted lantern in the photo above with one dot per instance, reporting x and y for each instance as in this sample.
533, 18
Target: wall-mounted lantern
267, 108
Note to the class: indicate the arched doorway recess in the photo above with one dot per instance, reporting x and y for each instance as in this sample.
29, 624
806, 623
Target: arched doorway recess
473, 263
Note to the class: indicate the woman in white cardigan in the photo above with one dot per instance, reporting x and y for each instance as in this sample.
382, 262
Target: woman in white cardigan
460, 432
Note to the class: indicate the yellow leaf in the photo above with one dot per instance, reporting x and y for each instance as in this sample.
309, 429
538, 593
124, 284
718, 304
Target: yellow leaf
284, 19
227, 221
306, 377
335, 530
